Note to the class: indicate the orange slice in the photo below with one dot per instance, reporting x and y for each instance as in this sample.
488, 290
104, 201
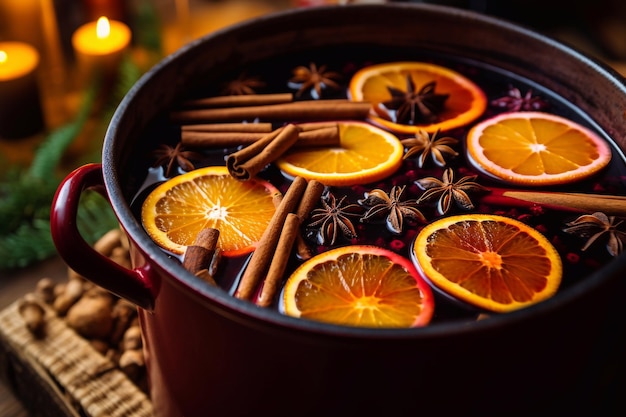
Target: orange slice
366, 154
175, 211
465, 103
359, 286
492, 262
534, 148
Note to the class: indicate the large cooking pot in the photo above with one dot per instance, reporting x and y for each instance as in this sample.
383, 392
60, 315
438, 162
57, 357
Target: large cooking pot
211, 354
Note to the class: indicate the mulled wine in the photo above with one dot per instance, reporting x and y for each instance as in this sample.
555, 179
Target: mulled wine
333, 70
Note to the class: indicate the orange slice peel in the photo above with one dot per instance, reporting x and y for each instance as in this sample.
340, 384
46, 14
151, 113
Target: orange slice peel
465, 101
535, 148
176, 210
358, 285
491, 262
365, 154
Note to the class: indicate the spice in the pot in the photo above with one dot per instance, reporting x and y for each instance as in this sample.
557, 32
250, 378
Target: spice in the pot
515, 101
409, 96
200, 254
314, 79
334, 220
396, 210
311, 110
448, 193
416, 106
262, 256
174, 156
242, 85
599, 228
423, 145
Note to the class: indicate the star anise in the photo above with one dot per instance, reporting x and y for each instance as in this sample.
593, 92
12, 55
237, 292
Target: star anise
599, 225
172, 156
415, 107
423, 144
333, 219
314, 79
242, 85
446, 191
391, 205
514, 101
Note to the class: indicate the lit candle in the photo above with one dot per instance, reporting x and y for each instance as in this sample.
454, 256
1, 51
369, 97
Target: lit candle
99, 46
20, 103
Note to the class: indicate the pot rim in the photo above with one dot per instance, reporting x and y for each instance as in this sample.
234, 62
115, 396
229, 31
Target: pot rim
246, 312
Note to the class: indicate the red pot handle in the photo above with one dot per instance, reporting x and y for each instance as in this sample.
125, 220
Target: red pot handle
133, 285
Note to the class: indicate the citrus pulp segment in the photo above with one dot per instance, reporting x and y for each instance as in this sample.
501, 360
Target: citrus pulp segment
492, 262
362, 286
176, 210
365, 154
534, 148
465, 100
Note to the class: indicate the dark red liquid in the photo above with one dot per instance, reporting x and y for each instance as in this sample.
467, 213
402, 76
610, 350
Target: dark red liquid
578, 265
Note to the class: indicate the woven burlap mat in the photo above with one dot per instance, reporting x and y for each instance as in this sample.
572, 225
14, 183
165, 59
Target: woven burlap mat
85, 376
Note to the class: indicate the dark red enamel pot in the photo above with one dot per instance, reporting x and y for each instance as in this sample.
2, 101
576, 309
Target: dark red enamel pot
211, 354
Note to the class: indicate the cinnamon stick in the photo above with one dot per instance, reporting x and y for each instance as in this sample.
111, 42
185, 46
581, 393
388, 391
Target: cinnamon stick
198, 139
323, 137
304, 127
262, 255
207, 276
260, 127
311, 197
327, 136
249, 161
289, 235
199, 255
578, 202
229, 127
240, 100
215, 262
294, 111
278, 264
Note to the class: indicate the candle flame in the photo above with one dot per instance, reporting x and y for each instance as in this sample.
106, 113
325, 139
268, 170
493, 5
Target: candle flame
103, 28
3, 57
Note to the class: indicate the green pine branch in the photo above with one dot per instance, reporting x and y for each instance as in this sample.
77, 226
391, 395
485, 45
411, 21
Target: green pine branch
50, 152
30, 242
26, 196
